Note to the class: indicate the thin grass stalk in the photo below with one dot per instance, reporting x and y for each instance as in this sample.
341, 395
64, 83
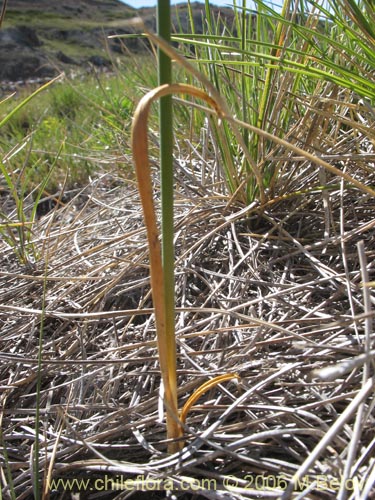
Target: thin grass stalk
267, 97
202, 390
358, 424
314, 159
166, 349
165, 341
3, 10
167, 248
214, 76
224, 111
275, 52
213, 55
334, 430
26, 100
362, 15
7, 471
23, 230
23, 247
243, 30
243, 69
36, 458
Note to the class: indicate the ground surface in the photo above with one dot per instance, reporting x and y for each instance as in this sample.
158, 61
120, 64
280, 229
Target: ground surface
270, 295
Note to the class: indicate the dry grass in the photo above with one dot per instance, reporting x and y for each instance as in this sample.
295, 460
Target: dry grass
273, 295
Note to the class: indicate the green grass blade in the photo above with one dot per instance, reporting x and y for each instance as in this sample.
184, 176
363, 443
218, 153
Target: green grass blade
266, 94
26, 100
44, 182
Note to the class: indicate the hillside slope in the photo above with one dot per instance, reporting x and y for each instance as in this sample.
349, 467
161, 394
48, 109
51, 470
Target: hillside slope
39, 38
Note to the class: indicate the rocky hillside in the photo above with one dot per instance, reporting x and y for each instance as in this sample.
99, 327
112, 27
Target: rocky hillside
39, 38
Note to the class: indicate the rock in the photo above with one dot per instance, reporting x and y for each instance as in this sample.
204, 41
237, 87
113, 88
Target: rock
99, 61
20, 55
19, 36
16, 66
64, 58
